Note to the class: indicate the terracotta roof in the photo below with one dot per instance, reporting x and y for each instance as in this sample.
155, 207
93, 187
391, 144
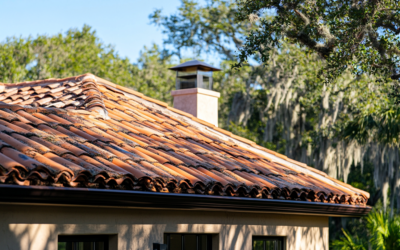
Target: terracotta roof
85, 131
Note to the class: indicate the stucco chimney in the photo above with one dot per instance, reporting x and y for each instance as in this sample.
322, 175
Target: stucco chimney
194, 93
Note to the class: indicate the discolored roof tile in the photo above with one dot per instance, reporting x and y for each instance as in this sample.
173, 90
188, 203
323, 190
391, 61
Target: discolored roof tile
9, 164
82, 134
21, 158
51, 143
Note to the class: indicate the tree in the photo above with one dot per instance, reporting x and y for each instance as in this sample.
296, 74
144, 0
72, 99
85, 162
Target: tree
153, 77
80, 51
362, 36
283, 105
61, 55
203, 29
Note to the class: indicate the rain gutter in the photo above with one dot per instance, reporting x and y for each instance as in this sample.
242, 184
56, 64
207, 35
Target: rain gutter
63, 196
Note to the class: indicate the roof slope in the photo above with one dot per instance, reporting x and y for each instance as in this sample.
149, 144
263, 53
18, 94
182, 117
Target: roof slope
87, 132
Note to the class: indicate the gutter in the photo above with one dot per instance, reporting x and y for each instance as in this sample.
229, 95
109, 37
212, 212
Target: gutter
64, 196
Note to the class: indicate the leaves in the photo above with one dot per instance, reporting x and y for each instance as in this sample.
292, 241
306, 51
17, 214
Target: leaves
349, 242
203, 29
362, 36
76, 52
283, 104
383, 233
80, 51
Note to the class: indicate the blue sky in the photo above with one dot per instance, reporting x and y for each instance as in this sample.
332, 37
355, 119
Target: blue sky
123, 23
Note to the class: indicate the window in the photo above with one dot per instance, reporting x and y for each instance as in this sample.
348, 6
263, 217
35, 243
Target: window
188, 241
83, 242
268, 243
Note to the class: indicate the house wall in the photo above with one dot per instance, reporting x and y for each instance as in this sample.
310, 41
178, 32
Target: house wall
24, 227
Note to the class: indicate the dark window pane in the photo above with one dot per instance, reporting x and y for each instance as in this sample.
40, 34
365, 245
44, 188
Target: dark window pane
258, 245
269, 243
175, 242
204, 241
279, 244
190, 242
99, 246
87, 245
62, 245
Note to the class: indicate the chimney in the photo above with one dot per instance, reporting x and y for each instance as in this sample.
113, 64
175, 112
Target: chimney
194, 93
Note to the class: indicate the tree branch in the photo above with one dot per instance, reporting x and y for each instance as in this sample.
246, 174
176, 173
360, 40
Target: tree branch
305, 19
323, 49
373, 36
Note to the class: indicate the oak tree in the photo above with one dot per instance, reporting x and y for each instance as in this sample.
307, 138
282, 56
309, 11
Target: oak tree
360, 35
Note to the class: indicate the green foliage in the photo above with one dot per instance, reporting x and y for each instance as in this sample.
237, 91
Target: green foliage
349, 242
203, 29
281, 105
362, 36
58, 56
383, 233
80, 51
362, 177
382, 124
153, 77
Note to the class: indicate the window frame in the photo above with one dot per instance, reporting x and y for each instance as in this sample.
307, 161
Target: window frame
282, 239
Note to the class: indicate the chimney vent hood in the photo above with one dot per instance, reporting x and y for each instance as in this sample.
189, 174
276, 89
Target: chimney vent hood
194, 90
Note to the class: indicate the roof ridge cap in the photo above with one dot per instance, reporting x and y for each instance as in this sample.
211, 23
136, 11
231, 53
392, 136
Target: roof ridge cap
102, 111
46, 81
88, 82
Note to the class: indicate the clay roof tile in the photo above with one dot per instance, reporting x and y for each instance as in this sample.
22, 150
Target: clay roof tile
87, 129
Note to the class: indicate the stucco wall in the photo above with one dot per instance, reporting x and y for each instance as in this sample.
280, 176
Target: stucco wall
37, 227
201, 103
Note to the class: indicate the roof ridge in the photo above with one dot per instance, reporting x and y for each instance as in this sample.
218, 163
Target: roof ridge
47, 81
87, 84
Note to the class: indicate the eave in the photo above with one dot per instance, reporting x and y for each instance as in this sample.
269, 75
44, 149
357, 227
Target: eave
56, 196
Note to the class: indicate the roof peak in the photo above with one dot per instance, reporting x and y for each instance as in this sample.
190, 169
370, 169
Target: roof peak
48, 81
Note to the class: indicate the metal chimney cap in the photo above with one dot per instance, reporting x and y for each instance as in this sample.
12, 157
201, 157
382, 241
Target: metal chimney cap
195, 63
